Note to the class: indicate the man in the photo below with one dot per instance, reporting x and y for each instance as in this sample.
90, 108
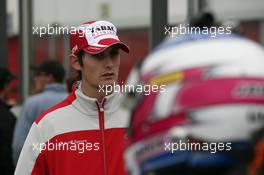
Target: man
39, 81
7, 123
85, 133
52, 75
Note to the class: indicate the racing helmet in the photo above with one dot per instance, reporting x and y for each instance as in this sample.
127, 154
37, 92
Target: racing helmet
208, 115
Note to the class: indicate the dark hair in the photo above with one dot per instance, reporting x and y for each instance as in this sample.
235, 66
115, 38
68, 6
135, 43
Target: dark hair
70, 81
205, 19
80, 60
54, 68
5, 77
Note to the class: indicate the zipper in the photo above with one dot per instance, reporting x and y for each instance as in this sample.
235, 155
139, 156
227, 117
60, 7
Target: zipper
100, 107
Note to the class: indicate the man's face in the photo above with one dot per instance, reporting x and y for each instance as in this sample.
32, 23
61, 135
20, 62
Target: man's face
39, 82
101, 69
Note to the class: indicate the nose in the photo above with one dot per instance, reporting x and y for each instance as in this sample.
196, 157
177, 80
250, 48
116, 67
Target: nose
108, 62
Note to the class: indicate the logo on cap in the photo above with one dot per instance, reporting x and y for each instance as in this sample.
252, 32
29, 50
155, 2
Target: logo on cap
95, 36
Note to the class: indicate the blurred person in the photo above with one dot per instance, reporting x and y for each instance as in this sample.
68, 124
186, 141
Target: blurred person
7, 124
209, 120
39, 81
89, 125
16, 110
51, 74
38, 85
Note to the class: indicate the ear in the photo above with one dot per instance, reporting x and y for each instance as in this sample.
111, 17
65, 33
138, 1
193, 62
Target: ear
75, 63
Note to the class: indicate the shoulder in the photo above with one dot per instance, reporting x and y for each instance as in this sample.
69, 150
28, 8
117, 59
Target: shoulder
32, 100
58, 108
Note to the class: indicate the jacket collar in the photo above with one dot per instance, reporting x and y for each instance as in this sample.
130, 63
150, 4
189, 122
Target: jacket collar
88, 105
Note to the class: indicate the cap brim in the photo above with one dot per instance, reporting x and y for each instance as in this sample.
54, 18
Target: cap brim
109, 43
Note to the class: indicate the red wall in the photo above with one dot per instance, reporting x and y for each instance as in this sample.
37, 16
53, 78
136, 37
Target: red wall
13, 65
251, 30
138, 42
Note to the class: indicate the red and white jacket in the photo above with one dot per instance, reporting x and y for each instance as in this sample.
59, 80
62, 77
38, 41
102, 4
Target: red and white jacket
78, 136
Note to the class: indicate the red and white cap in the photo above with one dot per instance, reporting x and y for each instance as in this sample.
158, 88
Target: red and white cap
94, 37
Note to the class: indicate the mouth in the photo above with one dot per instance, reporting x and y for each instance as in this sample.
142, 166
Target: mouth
108, 74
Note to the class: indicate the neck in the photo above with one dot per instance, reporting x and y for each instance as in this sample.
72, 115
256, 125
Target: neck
93, 92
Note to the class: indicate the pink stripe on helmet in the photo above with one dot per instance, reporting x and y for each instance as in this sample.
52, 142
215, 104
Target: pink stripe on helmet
221, 91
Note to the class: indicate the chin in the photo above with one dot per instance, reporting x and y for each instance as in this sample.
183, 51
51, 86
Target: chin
108, 82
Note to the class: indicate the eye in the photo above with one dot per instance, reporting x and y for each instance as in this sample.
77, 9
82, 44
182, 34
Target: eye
99, 55
114, 52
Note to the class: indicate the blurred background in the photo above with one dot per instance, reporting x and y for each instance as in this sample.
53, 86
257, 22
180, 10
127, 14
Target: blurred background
140, 24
